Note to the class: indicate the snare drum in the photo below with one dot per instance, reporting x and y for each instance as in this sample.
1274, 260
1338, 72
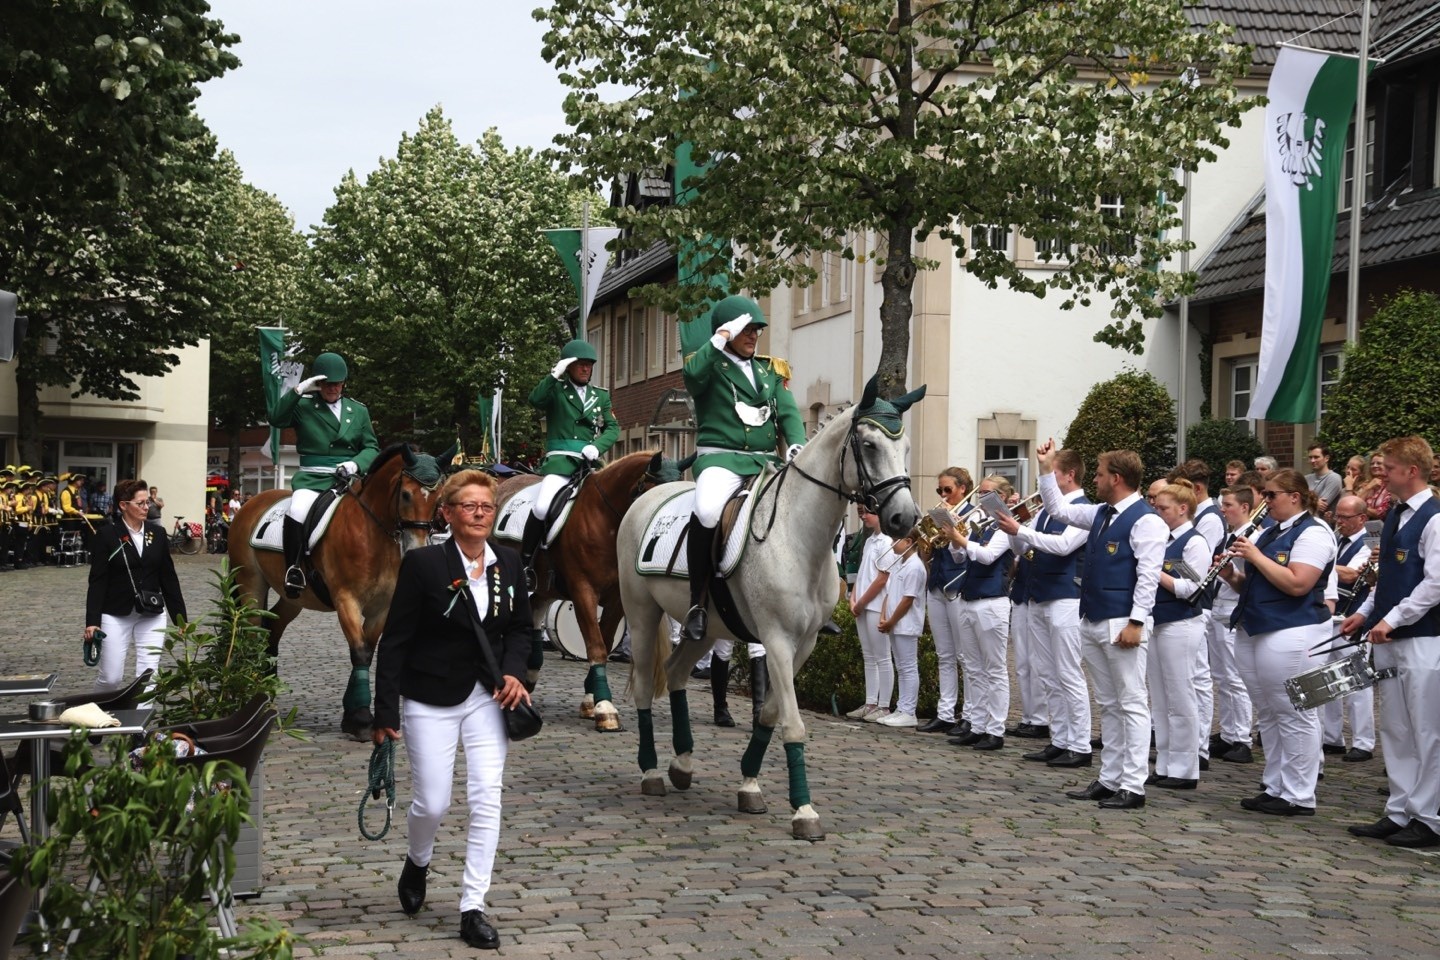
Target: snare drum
1334, 680
564, 631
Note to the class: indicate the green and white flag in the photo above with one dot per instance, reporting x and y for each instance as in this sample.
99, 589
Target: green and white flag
566, 242
1312, 99
278, 372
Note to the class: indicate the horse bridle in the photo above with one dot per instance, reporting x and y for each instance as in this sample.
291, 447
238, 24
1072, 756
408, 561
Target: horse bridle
401, 524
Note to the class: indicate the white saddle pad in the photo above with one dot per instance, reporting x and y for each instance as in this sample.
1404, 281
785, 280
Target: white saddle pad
269, 534
510, 524
662, 536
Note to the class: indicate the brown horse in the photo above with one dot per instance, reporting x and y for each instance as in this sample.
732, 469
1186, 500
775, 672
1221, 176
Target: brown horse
387, 513
583, 558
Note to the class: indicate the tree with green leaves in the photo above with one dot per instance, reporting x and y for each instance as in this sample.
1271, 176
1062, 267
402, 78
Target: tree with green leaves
1217, 442
827, 122
261, 259
433, 279
1390, 382
1130, 411
104, 189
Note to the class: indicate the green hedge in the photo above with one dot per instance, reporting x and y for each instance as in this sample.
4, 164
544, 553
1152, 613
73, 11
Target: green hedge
1217, 442
1130, 411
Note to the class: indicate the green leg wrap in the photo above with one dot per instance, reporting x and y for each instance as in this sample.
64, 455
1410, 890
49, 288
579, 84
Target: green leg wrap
357, 693
680, 720
799, 786
537, 650
755, 752
596, 683
647, 758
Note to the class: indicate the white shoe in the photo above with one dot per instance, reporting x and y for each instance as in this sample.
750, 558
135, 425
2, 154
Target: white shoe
859, 712
898, 719
877, 715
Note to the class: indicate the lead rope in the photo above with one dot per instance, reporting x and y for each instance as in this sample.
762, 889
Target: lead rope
382, 779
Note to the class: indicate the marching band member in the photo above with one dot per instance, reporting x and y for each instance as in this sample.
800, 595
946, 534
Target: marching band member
1211, 526
1403, 617
953, 485
1232, 701
1353, 553
985, 623
741, 404
1177, 641
865, 606
1123, 555
579, 425
903, 620
1051, 551
1280, 615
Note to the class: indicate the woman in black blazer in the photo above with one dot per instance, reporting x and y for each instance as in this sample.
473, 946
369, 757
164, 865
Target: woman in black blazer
110, 602
430, 655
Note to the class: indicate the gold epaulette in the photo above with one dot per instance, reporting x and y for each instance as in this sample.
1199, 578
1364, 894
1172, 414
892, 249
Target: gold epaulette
779, 364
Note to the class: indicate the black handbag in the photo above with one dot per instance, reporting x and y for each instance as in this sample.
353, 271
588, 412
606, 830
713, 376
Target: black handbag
148, 602
522, 721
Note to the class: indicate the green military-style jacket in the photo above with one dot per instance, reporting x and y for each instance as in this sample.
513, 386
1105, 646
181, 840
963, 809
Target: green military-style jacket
570, 423
716, 384
322, 440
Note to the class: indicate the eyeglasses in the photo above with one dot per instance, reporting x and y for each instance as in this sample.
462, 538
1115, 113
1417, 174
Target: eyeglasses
944, 490
1350, 516
139, 503
470, 508
1272, 494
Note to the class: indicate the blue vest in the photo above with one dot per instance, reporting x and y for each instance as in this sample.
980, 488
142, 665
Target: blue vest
1020, 582
1108, 590
1402, 569
1263, 608
1052, 576
1168, 607
1205, 511
1359, 590
986, 580
943, 569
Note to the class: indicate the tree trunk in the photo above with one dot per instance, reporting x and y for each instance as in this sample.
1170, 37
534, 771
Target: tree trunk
460, 415
28, 400
232, 469
896, 309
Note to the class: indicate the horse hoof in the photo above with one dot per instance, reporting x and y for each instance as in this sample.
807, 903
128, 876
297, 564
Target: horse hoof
652, 785
750, 801
587, 707
807, 829
357, 726
680, 777
607, 723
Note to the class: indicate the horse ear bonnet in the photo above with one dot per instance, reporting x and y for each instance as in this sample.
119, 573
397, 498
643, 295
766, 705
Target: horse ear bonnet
885, 414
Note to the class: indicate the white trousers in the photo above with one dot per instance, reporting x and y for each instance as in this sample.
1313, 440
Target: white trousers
1410, 728
1358, 706
1031, 664
1119, 677
1291, 737
723, 647
145, 633
1055, 625
903, 647
945, 628
875, 651
713, 489
1204, 687
984, 628
300, 503
1174, 704
550, 484
1232, 700
432, 734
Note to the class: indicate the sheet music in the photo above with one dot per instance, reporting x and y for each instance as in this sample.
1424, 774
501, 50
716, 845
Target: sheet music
943, 518
1181, 570
993, 506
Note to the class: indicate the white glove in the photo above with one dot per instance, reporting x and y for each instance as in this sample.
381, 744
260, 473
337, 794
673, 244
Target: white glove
733, 328
347, 469
792, 451
589, 452
558, 371
305, 386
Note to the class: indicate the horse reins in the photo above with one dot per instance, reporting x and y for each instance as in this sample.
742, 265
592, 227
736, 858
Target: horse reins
401, 524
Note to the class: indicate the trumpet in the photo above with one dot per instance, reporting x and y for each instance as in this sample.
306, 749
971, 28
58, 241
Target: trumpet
1207, 585
1024, 512
929, 532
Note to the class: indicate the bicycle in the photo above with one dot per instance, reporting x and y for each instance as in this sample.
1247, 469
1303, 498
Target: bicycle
217, 534
186, 537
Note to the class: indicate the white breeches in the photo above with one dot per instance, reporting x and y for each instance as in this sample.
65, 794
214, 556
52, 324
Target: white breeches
1291, 737
713, 489
431, 735
1174, 704
145, 633
945, 628
300, 503
550, 484
1410, 728
1119, 677
1232, 700
725, 646
1055, 624
875, 651
984, 629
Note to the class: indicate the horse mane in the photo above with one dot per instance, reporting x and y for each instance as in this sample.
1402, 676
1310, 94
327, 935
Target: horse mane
388, 454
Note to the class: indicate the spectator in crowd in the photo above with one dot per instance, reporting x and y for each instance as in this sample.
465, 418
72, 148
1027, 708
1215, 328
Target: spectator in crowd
100, 501
1375, 493
1265, 466
1357, 474
1322, 480
157, 506
1233, 470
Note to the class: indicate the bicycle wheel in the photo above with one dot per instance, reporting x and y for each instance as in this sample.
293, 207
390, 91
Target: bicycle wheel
191, 545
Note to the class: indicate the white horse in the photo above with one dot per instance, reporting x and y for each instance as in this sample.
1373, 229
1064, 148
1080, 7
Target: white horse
785, 590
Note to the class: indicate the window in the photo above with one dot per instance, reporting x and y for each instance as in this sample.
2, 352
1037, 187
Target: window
637, 345
1009, 459
595, 336
831, 288
1347, 187
1112, 211
1051, 249
990, 237
622, 349
1330, 364
1242, 388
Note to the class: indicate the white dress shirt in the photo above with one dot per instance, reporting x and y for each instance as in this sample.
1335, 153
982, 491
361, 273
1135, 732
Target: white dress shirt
1147, 539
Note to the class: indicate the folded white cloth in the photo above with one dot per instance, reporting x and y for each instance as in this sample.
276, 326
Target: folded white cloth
88, 715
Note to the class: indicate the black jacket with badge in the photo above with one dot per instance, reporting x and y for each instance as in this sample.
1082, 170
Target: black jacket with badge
154, 569
432, 656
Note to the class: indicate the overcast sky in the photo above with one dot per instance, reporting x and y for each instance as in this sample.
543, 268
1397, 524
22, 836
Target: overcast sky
330, 85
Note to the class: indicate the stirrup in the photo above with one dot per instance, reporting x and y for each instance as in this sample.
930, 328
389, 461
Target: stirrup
696, 622
295, 579
529, 579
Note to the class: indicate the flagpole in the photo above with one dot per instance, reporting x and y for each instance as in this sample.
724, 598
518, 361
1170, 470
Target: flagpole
1357, 189
582, 323
1184, 317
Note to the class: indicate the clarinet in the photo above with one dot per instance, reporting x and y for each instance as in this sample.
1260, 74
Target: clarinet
1208, 586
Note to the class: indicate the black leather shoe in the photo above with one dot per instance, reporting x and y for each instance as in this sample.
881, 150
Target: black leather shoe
1036, 731
695, 623
1044, 756
1096, 743
1204, 763
700, 673
1177, 783
1356, 755
1253, 803
723, 718
475, 929
1279, 807
1124, 800
989, 742
1381, 829
294, 582
1152, 779
1071, 758
830, 629
961, 730
1332, 748
969, 740
1415, 836
1096, 791
937, 726
1239, 753
412, 887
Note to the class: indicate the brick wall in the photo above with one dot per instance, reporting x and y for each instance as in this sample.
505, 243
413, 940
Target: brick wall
634, 404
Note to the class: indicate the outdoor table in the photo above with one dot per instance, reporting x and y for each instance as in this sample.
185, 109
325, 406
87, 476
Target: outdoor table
26, 684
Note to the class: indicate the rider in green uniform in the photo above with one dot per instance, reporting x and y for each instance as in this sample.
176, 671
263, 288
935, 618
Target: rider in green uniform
334, 438
579, 425
740, 400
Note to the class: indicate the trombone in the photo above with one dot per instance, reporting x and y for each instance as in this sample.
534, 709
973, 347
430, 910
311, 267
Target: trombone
932, 534
1025, 511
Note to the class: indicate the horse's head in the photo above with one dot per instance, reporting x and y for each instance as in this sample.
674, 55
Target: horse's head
401, 492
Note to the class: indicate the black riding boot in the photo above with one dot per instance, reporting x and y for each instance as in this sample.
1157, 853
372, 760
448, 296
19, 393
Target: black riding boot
412, 887
529, 543
759, 685
699, 552
719, 687
294, 576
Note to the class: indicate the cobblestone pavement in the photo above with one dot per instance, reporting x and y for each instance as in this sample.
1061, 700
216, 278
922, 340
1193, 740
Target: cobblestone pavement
931, 852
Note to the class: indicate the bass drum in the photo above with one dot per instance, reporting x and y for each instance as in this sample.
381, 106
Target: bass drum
564, 631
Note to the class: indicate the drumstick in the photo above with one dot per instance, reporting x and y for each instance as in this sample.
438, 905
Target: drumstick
1315, 651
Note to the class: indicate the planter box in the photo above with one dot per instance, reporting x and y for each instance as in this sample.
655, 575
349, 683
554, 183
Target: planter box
248, 860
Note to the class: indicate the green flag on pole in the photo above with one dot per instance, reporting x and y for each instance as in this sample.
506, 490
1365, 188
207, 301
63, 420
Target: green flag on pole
278, 373
567, 243
693, 259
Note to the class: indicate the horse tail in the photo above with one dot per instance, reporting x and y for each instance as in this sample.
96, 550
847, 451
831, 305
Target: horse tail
660, 660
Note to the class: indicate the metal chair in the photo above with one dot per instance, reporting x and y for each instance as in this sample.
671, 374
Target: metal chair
14, 902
